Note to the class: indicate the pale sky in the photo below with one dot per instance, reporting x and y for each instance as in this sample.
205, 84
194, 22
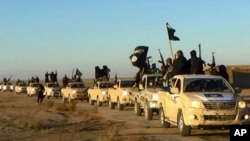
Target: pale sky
37, 36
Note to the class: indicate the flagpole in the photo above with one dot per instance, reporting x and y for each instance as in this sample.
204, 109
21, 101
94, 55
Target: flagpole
171, 50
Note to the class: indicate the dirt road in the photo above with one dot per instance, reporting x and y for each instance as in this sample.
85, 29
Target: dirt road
22, 119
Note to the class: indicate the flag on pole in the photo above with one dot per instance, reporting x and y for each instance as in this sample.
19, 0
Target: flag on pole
78, 73
171, 32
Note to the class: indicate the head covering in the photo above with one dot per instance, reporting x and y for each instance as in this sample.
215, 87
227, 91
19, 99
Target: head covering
179, 53
193, 53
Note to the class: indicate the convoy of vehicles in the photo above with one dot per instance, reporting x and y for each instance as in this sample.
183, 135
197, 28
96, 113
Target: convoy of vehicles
99, 93
74, 91
120, 94
201, 101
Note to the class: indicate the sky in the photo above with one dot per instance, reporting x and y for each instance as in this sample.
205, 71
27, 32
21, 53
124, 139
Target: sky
43, 36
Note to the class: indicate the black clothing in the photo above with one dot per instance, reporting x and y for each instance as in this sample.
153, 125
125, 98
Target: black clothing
196, 65
223, 72
180, 66
40, 95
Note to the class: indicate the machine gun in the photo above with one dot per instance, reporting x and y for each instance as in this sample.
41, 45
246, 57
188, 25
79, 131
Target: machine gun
7, 80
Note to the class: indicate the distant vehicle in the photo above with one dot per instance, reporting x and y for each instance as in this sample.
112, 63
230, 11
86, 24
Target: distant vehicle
52, 89
21, 88
99, 93
33, 89
7, 86
120, 94
74, 91
146, 99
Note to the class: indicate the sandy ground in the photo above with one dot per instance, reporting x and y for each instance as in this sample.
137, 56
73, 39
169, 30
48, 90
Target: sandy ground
22, 119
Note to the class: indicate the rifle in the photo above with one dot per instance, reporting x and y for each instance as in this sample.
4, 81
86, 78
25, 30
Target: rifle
213, 70
162, 62
203, 62
9, 78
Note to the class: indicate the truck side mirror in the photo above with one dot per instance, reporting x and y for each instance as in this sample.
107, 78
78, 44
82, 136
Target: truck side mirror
115, 86
237, 90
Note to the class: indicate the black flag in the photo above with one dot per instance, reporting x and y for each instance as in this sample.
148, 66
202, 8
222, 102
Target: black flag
171, 32
139, 56
78, 73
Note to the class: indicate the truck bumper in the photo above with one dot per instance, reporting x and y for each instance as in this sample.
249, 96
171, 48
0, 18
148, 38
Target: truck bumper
202, 117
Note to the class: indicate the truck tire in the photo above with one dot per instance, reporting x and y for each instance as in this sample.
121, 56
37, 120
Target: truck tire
184, 129
111, 104
91, 102
63, 98
119, 105
162, 118
137, 108
148, 112
98, 102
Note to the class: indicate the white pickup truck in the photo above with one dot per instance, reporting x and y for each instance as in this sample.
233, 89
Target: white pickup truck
52, 89
120, 94
146, 98
201, 101
99, 93
21, 87
33, 89
74, 91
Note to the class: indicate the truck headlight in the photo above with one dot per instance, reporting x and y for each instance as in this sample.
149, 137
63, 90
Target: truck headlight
73, 91
155, 97
196, 104
242, 104
124, 93
103, 92
50, 90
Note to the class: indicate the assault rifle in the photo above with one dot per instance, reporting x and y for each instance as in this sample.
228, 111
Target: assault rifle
163, 63
213, 70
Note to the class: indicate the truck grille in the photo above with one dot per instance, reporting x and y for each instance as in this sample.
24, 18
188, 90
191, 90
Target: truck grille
219, 117
220, 105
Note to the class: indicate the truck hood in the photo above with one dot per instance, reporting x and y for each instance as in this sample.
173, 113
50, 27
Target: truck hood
220, 96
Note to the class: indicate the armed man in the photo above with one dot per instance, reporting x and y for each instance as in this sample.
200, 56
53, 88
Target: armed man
195, 64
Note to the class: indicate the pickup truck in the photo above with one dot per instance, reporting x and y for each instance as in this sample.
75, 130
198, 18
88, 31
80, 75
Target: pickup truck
74, 91
52, 89
203, 102
146, 97
21, 88
33, 89
7, 86
99, 93
120, 94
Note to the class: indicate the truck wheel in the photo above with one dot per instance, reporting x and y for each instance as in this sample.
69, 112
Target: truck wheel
98, 102
137, 108
184, 129
63, 98
111, 104
91, 102
162, 118
119, 105
148, 112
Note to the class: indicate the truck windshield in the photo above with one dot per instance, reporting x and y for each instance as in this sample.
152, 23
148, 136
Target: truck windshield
106, 85
127, 83
77, 85
53, 85
154, 82
206, 85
